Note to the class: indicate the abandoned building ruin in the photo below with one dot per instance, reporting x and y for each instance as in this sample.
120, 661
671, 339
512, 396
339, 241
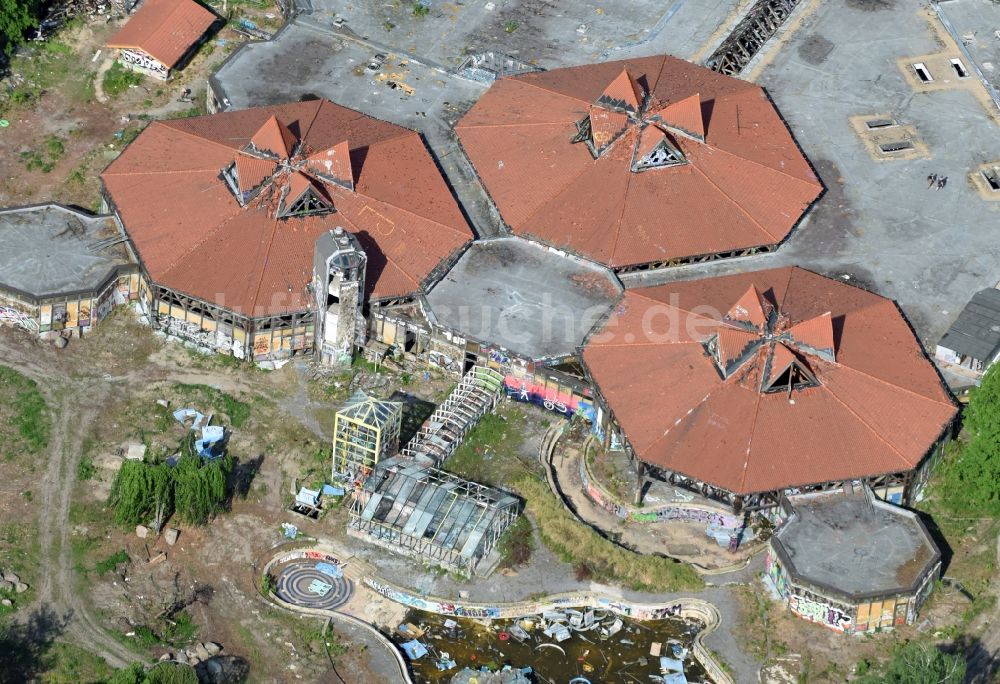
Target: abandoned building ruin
62, 271
639, 164
851, 562
311, 229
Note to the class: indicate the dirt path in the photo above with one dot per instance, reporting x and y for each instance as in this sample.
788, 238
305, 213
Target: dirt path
99, 79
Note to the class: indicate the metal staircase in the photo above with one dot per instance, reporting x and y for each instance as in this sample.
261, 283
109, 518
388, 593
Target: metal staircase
476, 395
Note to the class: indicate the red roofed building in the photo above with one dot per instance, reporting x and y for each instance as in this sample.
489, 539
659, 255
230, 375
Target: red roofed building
224, 213
639, 163
752, 384
161, 35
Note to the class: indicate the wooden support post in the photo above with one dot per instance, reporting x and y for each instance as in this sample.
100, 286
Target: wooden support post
640, 476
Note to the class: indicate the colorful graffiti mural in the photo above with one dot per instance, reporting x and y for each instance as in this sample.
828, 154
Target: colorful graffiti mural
655, 515
823, 613
620, 607
568, 404
12, 316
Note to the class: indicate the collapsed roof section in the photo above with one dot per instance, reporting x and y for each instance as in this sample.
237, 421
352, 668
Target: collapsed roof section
677, 160
227, 208
768, 380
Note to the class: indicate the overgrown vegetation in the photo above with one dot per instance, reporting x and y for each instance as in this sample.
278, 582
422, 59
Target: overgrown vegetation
46, 157
118, 79
25, 424
602, 559
194, 489
516, 545
16, 17
968, 477
917, 663
111, 562
161, 673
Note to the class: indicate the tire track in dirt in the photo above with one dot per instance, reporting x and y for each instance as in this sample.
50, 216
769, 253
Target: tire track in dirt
77, 408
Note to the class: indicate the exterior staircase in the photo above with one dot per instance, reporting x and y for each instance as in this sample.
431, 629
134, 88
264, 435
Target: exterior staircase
476, 395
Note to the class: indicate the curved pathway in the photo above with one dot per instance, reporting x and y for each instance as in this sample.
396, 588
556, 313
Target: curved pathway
646, 538
688, 607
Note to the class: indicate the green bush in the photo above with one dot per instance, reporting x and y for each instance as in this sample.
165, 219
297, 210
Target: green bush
111, 562
970, 471
118, 79
919, 663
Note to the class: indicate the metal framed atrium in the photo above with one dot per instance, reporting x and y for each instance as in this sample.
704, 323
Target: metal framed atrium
420, 511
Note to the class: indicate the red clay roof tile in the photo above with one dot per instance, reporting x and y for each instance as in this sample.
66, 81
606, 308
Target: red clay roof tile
193, 236
164, 29
745, 185
685, 115
877, 409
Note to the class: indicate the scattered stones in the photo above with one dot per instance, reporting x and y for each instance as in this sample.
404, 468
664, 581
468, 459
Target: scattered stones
171, 535
20, 587
6, 586
201, 652
11, 577
181, 657
213, 648
141, 531
61, 342
7, 603
166, 656
194, 661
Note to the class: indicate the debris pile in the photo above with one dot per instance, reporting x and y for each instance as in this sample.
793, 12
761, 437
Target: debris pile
580, 645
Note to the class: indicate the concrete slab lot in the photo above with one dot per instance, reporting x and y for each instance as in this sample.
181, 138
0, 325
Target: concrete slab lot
879, 224
549, 33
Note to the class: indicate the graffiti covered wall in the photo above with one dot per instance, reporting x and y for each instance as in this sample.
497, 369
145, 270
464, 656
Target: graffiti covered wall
524, 608
675, 511
834, 616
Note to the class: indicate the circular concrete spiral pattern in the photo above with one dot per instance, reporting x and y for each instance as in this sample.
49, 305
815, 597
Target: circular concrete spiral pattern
295, 580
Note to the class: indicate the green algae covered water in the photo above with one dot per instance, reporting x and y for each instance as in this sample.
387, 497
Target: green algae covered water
606, 653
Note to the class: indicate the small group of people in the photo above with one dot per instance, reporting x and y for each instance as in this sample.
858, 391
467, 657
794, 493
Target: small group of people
935, 179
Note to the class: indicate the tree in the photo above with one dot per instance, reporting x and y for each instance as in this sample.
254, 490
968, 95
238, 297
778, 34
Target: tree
141, 491
968, 482
919, 663
200, 488
16, 17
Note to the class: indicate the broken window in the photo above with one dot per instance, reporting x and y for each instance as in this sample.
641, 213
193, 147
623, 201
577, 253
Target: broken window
664, 154
233, 181
308, 203
582, 130
880, 123
793, 377
959, 68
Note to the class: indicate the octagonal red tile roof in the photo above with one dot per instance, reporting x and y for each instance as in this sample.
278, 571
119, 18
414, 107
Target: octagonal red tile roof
762, 381
195, 236
742, 181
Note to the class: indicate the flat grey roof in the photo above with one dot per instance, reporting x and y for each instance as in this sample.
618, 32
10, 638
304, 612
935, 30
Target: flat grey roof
48, 250
976, 331
855, 548
531, 300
